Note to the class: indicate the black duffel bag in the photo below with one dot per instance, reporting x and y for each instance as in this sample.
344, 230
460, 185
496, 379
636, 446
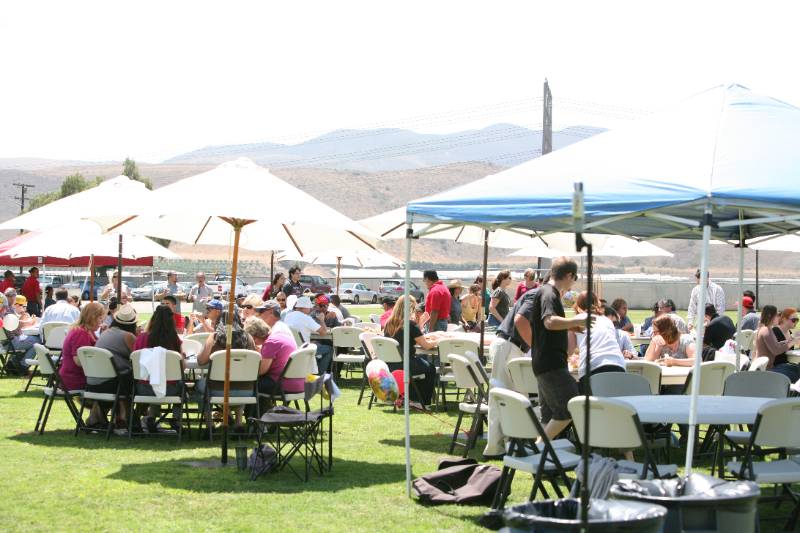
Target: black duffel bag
458, 481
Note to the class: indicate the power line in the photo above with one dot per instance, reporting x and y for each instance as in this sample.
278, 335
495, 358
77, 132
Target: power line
22, 196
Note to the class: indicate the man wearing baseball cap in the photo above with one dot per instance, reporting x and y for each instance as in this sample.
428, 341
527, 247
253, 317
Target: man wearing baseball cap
270, 312
333, 317
750, 319
301, 321
213, 312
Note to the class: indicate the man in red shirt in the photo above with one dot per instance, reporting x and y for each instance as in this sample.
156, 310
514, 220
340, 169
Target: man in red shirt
388, 308
437, 303
9, 282
33, 292
528, 282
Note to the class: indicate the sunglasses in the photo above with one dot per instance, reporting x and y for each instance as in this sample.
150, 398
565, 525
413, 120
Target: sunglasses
794, 320
281, 299
247, 306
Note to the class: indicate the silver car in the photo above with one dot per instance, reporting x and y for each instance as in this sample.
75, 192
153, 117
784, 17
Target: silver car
357, 293
145, 292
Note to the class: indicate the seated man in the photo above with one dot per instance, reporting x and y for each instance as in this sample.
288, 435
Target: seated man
301, 321
388, 305
337, 302
180, 324
21, 341
61, 311
719, 328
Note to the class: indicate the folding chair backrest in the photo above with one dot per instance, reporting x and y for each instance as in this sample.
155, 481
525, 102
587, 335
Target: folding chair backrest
96, 362
199, 337
298, 340
613, 422
375, 318
346, 337
727, 357
779, 424
757, 385
10, 322
46, 367
523, 380
611, 384
300, 363
244, 365
515, 413
366, 342
349, 321
648, 370
712, 378
387, 350
456, 346
455, 327
54, 339
464, 373
191, 346
746, 339
46, 333
174, 372
759, 364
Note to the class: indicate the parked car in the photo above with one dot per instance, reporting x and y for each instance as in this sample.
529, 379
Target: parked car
257, 288
145, 292
316, 284
82, 288
357, 293
222, 285
395, 287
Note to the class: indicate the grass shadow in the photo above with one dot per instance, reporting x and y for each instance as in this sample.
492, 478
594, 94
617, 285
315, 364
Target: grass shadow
434, 442
178, 474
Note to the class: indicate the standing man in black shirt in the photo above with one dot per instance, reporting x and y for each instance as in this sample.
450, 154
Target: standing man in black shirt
549, 352
292, 285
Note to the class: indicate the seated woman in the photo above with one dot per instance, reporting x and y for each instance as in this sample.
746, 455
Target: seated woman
258, 330
275, 352
81, 334
621, 307
648, 322
775, 337
118, 339
417, 364
623, 339
160, 332
248, 307
606, 353
668, 345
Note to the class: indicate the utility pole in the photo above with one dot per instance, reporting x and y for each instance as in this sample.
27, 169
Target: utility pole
23, 188
547, 135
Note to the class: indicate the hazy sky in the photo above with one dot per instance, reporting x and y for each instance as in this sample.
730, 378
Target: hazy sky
106, 80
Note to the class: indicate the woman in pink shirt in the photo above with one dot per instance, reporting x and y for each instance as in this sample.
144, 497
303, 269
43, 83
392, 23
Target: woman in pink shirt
82, 334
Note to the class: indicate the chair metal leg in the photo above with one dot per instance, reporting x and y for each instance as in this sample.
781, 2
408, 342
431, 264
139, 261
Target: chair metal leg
30, 378
363, 386
41, 413
455, 433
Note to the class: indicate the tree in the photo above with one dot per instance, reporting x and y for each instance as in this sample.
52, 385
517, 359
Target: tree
130, 169
74, 183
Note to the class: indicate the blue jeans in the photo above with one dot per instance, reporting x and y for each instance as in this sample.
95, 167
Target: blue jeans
441, 325
25, 342
492, 321
324, 357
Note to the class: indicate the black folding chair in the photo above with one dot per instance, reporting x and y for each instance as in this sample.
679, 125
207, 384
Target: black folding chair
53, 389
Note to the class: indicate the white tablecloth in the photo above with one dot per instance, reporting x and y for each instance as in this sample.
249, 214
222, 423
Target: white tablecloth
717, 410
33, 330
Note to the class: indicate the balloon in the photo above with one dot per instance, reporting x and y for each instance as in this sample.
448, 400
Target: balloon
401, 383
381, 381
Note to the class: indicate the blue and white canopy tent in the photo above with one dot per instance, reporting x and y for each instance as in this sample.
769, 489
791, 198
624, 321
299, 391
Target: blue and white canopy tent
723, 164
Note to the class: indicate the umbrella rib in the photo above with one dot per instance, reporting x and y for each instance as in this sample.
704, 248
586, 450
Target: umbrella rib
115, 226
360, 239
385, 233
291, 237
202, 230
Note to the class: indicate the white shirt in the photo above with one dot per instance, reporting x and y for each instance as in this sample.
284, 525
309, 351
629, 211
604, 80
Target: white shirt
605, 346
302, 324
714, 295
199, 296
280, 327
61, 311
335, 310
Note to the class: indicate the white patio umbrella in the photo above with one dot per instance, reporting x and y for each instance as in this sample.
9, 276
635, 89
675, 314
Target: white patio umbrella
563, 244
357, 258
257, 209
101, 204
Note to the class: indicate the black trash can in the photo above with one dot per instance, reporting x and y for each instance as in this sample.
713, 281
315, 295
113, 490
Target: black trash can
605, 516
699, 503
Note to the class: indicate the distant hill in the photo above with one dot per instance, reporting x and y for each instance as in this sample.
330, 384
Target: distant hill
394, 149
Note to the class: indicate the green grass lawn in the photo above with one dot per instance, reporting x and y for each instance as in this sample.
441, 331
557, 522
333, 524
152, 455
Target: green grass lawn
57, 482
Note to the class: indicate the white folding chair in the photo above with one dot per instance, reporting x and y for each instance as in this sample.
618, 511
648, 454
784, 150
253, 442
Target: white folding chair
52, 335
455, 327
712, 378
174, 372
369, 354
53, 389
369, 326
760, 363
523, 380
375, 318
200, 337
299, 366
612, 384
467, 377
649, 371
298, 340
520, 425
616, 425
445, 375
347, 349
349, 321
745, 340
777, 425
243, 372
97, 364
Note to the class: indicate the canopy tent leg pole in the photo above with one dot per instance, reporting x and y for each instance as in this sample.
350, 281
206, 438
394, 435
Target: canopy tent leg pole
338, 274
119, 272
271, 266
91, 278
699, 330
406, 363
739, 305
481, 355
152, 290
757, 305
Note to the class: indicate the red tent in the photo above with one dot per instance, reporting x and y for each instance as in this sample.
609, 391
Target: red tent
7, 260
